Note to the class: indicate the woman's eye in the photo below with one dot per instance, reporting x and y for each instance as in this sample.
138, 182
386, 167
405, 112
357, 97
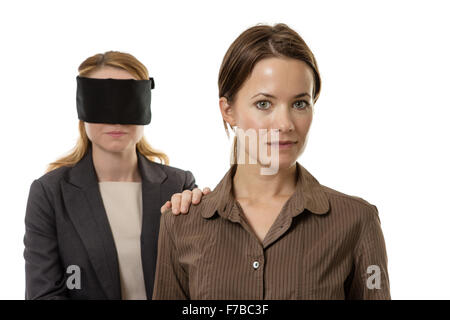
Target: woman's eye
264, 105
301, 104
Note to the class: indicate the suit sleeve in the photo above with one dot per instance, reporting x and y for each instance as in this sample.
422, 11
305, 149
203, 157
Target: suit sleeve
44, 275
189, 181
171, 281
370, 280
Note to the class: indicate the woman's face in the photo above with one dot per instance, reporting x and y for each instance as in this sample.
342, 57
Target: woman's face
100, 133
276, 97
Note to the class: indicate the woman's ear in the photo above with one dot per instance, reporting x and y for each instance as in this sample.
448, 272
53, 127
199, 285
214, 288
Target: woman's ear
227, 111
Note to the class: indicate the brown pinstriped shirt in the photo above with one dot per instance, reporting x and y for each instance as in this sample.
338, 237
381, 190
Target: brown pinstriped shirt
323, 245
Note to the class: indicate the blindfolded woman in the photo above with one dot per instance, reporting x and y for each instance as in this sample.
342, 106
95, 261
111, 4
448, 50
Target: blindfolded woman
92, 220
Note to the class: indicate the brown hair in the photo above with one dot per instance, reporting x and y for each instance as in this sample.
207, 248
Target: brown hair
136, 69
257, 43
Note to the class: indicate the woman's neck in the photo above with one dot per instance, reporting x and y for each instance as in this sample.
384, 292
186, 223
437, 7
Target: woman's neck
250, 184
115, 166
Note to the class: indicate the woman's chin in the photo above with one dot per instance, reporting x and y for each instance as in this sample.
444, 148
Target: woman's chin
115, 146
283, 162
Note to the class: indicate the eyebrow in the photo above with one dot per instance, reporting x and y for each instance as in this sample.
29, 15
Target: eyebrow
271, 96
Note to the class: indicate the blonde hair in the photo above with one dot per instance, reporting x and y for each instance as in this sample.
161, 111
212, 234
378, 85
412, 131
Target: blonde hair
135, 68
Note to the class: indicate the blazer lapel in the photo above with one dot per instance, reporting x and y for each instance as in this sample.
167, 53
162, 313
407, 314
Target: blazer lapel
152, 178
85, 207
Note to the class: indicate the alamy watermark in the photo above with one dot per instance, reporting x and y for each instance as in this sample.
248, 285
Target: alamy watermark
258, 149
74, 280
374, 281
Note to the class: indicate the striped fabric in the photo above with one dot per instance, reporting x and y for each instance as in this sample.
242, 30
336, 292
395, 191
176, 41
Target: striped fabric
323, 245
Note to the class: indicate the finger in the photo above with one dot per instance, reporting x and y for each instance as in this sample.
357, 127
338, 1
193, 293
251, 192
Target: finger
176, 203
206, 191
186, 198
196, 195
165, 206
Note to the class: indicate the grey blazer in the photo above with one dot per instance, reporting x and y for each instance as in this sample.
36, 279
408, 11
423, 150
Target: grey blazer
66, 225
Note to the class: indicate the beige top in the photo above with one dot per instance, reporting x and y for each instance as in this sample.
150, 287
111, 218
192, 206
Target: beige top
123, 205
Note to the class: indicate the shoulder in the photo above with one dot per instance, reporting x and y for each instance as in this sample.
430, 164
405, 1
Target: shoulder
335, 195
351, 207
51, 180
172, 175
190, 231
341, 205
353, 215
166, 168
173, 171
44, 192
194, 219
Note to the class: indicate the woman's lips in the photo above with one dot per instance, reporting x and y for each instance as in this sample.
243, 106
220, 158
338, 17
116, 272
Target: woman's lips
283, 144
115, 134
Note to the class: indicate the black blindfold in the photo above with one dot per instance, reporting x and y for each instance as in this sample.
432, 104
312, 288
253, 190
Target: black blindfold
115, 101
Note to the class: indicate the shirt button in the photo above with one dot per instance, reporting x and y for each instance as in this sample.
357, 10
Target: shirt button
255, 265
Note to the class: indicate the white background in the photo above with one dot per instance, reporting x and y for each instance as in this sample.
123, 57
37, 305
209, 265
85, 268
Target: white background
380, 129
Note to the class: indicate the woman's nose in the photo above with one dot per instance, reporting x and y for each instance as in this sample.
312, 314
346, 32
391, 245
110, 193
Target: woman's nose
283, 119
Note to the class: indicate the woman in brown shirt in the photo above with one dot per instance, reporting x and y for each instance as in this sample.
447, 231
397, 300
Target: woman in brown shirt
281, 235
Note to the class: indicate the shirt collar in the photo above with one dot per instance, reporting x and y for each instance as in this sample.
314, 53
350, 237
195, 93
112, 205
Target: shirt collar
308, 195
